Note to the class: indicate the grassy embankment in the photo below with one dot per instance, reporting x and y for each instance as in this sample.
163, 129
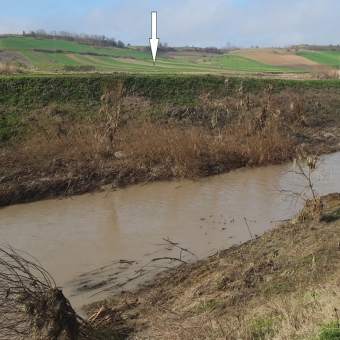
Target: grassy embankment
39, 54
283, 285
59, 138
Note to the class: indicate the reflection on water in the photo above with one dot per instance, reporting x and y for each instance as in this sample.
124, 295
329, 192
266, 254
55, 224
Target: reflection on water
75, 236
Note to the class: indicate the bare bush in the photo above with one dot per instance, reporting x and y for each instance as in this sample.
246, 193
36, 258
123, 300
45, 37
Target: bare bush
111, 106
32, 307
306, 192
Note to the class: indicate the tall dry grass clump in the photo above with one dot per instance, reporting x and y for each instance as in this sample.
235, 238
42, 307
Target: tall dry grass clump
325, 72
195, 151
296, 315
59, 141
9, 68
55, 137
111, 105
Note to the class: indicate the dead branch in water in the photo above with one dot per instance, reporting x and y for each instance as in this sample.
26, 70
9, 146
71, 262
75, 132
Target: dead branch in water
31, 306
146, 269
177, 246
251, 236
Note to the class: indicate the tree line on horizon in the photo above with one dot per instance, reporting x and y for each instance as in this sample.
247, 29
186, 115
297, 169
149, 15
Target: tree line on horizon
81, 38
317, 47
104, 41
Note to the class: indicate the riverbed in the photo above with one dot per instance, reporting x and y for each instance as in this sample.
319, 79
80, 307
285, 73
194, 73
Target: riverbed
97, 244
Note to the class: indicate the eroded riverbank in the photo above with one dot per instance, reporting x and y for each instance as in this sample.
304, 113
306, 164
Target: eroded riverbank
282, 285
53, 150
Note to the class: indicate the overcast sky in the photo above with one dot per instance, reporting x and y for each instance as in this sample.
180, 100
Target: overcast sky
242, 23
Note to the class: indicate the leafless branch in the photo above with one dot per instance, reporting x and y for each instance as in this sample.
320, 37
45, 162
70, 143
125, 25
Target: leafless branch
31, 306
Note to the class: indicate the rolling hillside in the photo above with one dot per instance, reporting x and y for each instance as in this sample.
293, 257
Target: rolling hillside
330, 58
48, 55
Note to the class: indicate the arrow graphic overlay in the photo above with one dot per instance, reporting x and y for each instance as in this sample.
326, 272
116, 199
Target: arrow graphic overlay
154, 40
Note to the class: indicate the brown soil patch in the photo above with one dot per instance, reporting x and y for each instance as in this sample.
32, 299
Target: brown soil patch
125, 60
20, 57
73, 57
131, 61
9, 56
40, 56
97, 60
293, 61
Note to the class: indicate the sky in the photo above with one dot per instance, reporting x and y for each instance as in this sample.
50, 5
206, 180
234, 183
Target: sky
241, 23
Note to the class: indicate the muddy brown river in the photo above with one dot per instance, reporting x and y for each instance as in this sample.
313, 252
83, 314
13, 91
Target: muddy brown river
97, 244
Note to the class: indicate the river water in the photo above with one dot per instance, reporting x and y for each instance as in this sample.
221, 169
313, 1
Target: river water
102, 240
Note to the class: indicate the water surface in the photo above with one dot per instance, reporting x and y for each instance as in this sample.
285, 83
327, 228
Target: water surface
78, 235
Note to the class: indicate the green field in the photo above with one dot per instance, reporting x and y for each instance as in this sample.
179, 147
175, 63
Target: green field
39, 54
29, 43
330, 58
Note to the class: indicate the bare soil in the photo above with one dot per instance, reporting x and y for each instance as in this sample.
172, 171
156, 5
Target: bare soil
130, 60
75, 58
6, 57
96, 60
40, 56
275, 59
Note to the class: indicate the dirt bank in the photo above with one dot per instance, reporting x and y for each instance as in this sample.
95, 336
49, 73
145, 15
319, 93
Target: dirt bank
131, 141
283, 285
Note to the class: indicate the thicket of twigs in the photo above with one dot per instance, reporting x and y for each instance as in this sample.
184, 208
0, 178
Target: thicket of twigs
302, 189
32, 307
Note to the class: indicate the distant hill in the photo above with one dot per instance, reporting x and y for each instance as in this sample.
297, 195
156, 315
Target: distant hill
57, 55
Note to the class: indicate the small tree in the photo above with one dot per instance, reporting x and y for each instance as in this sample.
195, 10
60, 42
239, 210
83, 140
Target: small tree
120, 44
111, 104
313, 206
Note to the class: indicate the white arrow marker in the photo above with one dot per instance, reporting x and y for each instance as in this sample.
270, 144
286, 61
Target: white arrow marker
154, 40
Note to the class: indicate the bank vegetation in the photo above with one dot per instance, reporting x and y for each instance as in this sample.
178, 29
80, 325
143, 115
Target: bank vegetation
52, 150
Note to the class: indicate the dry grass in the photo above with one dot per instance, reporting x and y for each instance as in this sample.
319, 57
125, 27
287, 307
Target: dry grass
127, 143
325, 72
9, 68
292, 316
68, 153
196, 151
